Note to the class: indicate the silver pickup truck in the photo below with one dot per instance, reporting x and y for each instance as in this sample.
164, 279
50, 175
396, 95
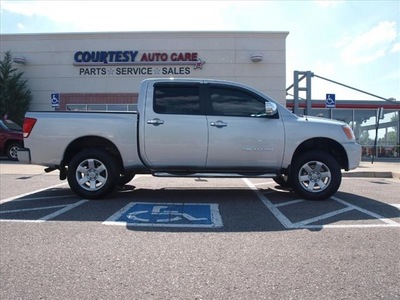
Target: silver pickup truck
192, 128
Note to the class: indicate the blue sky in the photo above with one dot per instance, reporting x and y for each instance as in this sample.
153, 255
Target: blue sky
353, 42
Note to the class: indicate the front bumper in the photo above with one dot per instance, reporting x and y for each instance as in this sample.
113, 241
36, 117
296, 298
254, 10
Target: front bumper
24, 155
353, 154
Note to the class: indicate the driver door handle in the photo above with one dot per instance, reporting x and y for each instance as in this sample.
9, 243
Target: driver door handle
219, 124
155, 122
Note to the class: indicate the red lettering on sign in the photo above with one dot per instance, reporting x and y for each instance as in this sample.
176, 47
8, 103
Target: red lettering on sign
155, 56
187, 56
164, 56
182, 56
144, 57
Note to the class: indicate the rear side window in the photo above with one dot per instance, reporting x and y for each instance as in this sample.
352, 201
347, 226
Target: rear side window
231, 101
180, 99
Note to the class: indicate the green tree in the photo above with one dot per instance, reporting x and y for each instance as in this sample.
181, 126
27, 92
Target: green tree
15, 96
365, 139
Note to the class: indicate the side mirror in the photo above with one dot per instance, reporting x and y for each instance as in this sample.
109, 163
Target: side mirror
270, 109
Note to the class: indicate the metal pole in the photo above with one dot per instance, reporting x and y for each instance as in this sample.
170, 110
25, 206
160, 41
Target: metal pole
358, 90
296, 92
300, 79
308, 92
379, 114
397, 147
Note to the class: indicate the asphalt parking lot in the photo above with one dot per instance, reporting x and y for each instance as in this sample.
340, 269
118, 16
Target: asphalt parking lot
197, 239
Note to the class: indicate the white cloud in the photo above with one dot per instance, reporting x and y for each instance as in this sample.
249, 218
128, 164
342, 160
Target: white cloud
19, 7
325, 69
395, 48
328, 3
370, 45
20, 26
125, 15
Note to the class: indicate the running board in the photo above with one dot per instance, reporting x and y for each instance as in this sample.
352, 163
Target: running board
215, 175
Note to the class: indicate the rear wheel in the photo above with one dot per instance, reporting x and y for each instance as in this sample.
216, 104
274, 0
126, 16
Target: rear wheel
93, 174
315, 175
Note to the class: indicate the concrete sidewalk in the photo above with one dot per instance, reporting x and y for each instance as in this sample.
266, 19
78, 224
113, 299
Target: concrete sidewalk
16, 168
379, 169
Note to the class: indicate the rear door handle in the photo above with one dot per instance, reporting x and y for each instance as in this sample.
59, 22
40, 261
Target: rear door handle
155, 122
219, 124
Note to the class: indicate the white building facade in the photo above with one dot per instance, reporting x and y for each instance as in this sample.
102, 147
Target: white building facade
103, 71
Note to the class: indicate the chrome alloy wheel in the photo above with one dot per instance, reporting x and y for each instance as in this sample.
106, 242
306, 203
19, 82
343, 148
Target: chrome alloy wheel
91, 174
13, 152
314, 176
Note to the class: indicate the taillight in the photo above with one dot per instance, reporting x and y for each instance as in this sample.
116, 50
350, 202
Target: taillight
28, 126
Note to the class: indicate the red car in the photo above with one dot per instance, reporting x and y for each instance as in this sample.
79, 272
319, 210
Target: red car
10, 138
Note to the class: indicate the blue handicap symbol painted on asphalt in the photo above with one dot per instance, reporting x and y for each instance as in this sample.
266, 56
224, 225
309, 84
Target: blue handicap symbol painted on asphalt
168, 215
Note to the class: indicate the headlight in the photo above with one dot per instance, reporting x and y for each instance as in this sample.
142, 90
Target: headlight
349, 132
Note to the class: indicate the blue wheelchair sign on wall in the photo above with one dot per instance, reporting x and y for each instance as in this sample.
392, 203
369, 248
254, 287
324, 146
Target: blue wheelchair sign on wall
205, 215
55, 100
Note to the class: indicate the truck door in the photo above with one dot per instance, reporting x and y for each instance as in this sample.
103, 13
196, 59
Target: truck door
175, 127
241, 137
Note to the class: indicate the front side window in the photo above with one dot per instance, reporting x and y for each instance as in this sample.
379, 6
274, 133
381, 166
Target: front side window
226, 101
181, 99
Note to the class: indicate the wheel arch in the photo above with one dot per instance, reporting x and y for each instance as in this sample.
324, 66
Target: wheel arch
91, 142
332, 147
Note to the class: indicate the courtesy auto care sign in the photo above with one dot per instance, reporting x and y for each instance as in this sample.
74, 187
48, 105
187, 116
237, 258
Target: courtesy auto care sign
131, 63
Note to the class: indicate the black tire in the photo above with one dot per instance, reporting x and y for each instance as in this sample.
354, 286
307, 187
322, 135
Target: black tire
282, 180
92, 174
125, 178
315, 175
12, 149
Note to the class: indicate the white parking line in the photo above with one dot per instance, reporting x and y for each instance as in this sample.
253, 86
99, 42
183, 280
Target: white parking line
322, 217
29, 209
305, 224
63, 210
289, 202
30, 193
48, 217
281, 217
367, 212
43, 198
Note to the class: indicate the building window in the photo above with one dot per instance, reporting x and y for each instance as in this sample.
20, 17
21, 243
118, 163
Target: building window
101, 107
117, 107
97, 107
76, 107
98, 101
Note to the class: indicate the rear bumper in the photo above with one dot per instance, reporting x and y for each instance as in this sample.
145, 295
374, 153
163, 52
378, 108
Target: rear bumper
24, 155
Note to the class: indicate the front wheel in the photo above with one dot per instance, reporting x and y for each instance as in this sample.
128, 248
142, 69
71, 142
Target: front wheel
93, 174
315, 175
